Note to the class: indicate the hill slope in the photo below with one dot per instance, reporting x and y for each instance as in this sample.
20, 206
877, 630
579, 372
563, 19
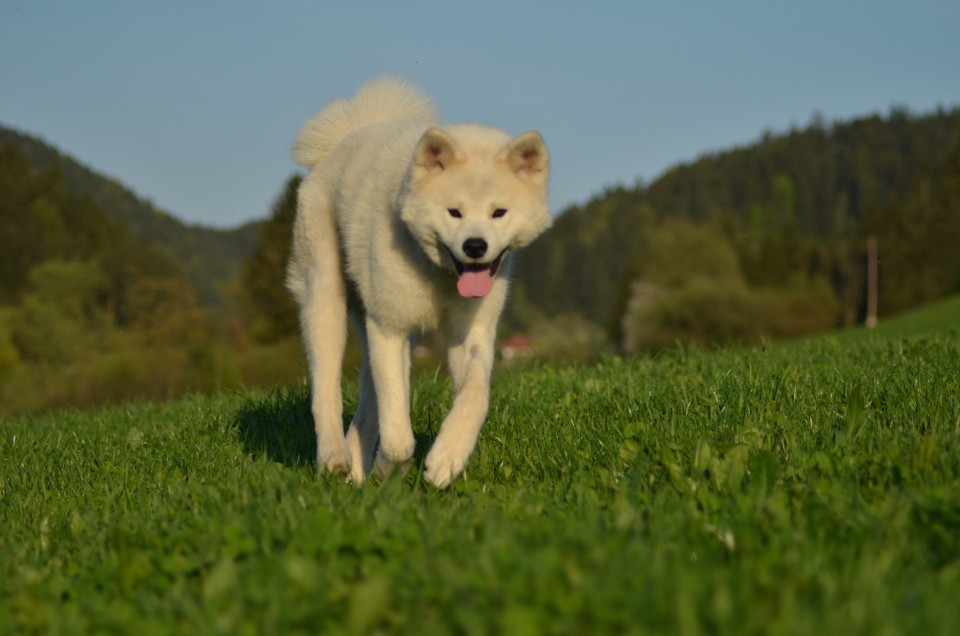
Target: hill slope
814, 490
818, 190
209, 257
937, 316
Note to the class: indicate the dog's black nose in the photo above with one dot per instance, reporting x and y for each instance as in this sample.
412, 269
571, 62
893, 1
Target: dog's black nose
474, 247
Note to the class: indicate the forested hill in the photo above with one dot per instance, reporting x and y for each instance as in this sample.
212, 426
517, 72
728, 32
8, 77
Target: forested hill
793, 208
209, 257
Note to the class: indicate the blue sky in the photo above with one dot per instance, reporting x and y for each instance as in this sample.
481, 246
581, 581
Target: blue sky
194, 104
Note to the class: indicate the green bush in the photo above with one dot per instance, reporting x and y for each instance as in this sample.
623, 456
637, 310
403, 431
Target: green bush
9, 358
706, 311
568, 339
62, 316
729, 312
810, 309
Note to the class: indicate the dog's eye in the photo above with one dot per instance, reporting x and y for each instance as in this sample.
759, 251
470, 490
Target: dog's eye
454, 212
499, 212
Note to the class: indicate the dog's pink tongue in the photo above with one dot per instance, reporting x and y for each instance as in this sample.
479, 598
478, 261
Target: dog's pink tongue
475, 283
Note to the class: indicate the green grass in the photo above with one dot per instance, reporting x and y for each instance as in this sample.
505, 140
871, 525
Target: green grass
810, 489
939, 315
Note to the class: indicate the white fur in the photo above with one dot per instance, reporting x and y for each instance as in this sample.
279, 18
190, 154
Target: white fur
374, 233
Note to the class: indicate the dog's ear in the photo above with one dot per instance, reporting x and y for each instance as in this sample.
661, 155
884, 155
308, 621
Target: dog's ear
527, 157
435, 152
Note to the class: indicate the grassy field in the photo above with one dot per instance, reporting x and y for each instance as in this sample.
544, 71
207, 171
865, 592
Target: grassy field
937, 316
808, 489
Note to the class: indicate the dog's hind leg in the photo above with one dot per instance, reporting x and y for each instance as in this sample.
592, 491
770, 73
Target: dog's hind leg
323, 319
363, 433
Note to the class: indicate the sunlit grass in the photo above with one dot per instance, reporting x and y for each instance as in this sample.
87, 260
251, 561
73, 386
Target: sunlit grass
938, 315
808, 489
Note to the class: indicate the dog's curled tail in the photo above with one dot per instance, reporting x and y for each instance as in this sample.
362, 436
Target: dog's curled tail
382, 99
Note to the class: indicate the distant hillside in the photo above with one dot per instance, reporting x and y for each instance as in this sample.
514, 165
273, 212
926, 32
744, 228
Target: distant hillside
818, 189
208, 257
942, 315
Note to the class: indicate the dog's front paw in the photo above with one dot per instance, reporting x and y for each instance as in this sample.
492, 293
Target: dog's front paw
392, 457
332, 453
384, 466
444, 464
335, 460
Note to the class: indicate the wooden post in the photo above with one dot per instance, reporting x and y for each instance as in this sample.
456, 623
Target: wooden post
871, 281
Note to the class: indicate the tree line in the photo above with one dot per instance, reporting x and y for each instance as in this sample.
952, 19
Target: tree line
765, 240
209, 258
94, 310
88, 311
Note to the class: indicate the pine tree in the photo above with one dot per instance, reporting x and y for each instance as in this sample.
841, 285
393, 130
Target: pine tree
268, 305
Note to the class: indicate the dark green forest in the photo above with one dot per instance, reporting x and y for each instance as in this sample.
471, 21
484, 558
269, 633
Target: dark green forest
767, 240
104, 297
209, 258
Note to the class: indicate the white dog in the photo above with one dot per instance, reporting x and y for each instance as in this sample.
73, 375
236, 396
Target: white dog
410, 225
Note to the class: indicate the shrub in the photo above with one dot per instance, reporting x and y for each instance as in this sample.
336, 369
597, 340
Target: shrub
727, 312
567, 339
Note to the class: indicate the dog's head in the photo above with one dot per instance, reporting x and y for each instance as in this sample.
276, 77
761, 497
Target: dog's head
473, 194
